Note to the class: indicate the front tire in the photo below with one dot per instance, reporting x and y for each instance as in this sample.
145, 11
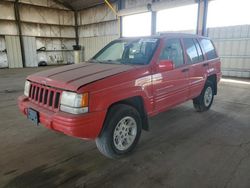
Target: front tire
204, 101
121, 133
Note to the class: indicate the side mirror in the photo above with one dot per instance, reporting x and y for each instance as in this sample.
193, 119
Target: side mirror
165, 65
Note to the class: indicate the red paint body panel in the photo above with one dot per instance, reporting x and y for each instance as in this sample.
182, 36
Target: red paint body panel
110, 83
72, 77
83, 126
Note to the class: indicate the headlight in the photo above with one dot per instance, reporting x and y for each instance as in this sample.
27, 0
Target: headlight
26, 88
74, 103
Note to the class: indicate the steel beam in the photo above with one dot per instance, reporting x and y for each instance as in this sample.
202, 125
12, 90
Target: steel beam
202, 17
76, 28
65, 4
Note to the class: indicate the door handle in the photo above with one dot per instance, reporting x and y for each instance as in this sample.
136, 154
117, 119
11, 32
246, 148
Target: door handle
185, 70
205, 64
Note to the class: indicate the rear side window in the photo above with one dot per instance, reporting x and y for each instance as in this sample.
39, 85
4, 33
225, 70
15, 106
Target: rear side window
198, 48
209, 49
173, 51
191, 50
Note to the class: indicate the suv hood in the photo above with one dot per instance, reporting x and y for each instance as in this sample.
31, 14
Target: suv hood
72, 77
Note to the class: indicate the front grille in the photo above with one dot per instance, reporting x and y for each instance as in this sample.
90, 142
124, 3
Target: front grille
45, 96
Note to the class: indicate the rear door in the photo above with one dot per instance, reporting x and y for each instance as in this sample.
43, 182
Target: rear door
212, 59
171, 87
197, 66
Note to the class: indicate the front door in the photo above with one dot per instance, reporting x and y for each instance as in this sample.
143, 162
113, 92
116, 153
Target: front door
171, 87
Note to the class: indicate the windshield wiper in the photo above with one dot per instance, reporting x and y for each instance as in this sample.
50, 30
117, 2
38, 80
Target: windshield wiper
95, 61
105, 61
127, 62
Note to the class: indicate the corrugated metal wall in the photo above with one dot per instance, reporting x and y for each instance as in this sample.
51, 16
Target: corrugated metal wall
233, 45
3, 55
13, 51
30, 51
97, 27
57, 50
93, 44
39, 20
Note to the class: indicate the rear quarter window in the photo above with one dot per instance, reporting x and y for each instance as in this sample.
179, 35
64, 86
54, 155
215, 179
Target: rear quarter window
208, 48
193, 53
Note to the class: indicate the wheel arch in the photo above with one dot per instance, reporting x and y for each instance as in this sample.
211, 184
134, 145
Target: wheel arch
138, 103
213, 78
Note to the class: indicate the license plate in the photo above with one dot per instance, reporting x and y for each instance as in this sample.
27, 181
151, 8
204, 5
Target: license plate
33, 116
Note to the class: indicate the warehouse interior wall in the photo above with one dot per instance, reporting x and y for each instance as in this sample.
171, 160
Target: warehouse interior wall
231, 35
97, 27
47, 31
233, 46
3, 54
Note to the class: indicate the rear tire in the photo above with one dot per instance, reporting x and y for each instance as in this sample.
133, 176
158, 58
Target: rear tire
204, 101
121, 133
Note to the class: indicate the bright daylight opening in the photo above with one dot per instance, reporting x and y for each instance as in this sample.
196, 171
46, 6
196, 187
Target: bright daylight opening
223, 13
136, 25
178, 19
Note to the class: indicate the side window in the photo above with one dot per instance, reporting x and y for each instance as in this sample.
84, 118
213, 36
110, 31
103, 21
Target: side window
191, 50
197, 45
173, 51
209, 49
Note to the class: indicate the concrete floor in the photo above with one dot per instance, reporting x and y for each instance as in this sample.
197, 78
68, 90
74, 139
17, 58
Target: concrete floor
183, 149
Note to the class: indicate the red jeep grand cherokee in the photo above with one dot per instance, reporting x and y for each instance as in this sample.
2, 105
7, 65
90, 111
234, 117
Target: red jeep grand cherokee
110, 97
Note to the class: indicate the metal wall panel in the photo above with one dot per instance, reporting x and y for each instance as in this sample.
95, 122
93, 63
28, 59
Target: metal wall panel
97, 21
8, 28
96, 14
57, 50
30, 51
7, 11
13, 51
30, 29
233, 46
93, 44
46, 19
99, 29
3, 55
45, 3
136, 3
45, 15
141, 5
37, 21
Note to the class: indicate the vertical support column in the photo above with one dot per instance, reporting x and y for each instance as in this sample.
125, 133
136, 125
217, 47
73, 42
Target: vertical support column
76, 28
120, 25
121, 5
202, 17
153, 22
19, 28
76, 47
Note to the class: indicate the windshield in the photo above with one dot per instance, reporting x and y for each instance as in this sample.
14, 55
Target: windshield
137, 51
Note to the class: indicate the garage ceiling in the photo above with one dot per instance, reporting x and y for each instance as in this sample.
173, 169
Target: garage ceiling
80, 4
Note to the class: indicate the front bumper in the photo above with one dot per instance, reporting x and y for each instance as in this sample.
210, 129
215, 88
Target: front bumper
87, 126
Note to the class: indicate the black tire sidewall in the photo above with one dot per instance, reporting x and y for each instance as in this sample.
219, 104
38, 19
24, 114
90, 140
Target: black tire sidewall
208, 84
132, 114
111, 122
